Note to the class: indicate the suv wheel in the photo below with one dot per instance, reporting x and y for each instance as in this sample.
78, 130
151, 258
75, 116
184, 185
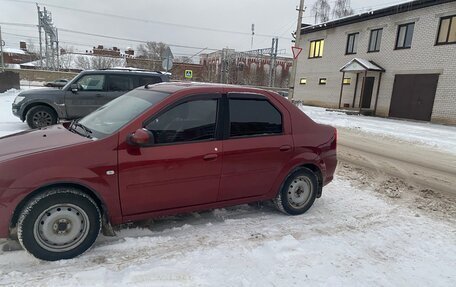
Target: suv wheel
41, 116
61, 223
298, 192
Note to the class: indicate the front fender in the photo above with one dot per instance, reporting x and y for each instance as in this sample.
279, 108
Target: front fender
59, 107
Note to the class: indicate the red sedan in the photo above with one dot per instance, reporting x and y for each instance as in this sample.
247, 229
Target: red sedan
159, 150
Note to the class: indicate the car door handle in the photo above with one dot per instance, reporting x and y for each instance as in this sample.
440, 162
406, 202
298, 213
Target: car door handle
98, 95
285, 148
211, 156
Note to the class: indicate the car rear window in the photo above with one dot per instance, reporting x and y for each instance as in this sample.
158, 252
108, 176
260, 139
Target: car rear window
252, 117
149, 80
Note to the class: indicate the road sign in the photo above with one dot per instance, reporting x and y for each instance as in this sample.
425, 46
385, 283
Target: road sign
296, 51
188, 74
167, 63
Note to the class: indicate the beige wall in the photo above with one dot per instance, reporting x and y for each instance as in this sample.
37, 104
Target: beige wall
42, 76
423, 58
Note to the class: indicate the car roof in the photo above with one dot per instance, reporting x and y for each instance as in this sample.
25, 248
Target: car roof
123, 72
172, 87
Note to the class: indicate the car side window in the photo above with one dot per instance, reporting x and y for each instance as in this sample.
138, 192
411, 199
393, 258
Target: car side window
254, 117
119, 83
189, 121
149, 80
91, 83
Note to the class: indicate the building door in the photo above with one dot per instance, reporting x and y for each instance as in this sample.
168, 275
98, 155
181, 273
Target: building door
413, 96
367, 93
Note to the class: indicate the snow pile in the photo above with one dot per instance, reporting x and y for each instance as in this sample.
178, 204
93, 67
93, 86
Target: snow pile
438, 136
8, 122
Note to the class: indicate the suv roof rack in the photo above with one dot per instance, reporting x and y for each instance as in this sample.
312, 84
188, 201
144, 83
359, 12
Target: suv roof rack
129, 69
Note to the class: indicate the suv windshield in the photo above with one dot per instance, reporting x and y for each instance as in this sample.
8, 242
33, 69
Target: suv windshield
117, 113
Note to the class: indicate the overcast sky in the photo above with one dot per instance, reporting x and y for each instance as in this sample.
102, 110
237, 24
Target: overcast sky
271, 18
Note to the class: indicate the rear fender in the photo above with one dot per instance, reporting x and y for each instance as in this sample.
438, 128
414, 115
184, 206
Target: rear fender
305, 158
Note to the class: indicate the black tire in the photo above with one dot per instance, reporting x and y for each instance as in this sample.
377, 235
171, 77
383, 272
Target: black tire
41, 116
298, 192
61, 223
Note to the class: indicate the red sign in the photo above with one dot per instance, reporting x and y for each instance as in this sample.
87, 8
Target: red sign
296, 51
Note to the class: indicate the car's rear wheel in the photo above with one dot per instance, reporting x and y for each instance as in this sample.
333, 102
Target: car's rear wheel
298, 192
41, 116
61, 223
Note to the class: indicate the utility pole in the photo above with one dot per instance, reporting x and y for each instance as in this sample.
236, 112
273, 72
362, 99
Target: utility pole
274, 50
253, 34
39, 33
297, 43
1, 50
51, 39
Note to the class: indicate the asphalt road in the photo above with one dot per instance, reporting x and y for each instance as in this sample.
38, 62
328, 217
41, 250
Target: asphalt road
422, 165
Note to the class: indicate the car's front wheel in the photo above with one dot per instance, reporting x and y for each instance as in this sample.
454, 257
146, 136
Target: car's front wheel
41, 116
298, 192
61, 223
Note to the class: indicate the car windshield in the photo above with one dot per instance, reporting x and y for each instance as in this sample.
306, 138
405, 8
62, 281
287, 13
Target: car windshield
117, 113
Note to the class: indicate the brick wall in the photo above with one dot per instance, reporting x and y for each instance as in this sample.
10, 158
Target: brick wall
423, 58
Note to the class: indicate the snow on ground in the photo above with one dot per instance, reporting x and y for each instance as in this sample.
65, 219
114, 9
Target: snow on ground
8, 122
353, 236
438, 136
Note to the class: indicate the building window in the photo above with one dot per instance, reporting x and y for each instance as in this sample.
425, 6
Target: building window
352, 44
375, 40
322, 81
405, 36
447, 31
347, 81
303, 81
316, 49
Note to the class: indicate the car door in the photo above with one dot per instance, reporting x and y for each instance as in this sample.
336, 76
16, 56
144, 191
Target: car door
258, 144
87, 98
117, 86
183, 166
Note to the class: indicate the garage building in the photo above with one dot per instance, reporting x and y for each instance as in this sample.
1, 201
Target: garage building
398, 61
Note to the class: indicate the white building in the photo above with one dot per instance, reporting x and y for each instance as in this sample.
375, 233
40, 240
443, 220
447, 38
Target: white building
398, 61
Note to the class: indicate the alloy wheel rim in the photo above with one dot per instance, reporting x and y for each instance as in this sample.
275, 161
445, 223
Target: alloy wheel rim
42, 119
61, 227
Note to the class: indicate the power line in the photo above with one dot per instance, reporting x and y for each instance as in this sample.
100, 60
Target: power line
128, 39
108, 37
142, 20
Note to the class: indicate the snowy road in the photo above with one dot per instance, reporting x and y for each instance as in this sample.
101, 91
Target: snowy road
360, 233
368, 229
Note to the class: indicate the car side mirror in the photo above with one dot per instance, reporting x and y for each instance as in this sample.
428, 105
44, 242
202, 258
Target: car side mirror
74, 88
141, 137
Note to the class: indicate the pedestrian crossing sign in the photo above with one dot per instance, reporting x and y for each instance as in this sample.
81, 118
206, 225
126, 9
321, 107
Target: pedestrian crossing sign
188, 74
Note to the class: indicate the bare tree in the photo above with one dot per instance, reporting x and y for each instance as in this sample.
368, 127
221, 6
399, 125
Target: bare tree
152, 50
341, 9
66, 59
105, 62
97, 62
31, 48
183, 59
83, 63
322, 9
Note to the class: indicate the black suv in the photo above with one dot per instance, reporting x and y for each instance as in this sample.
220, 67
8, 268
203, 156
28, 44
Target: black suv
85, 93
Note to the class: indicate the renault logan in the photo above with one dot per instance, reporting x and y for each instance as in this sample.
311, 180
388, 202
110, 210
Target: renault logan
159, 150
